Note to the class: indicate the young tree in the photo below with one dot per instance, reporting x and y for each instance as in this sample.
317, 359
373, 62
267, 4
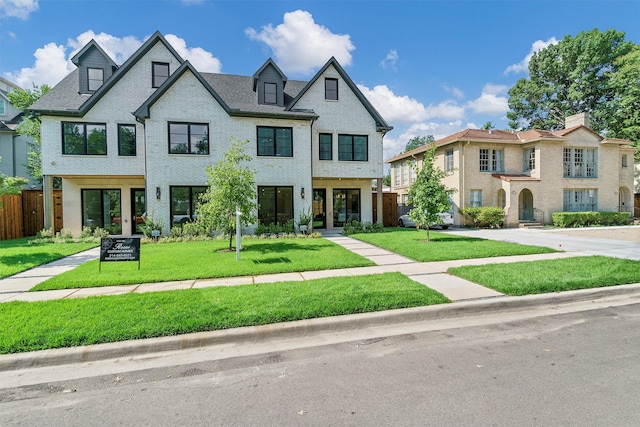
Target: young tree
10, 184
418, 141
428, 195
231, 187
30, 124
570, 77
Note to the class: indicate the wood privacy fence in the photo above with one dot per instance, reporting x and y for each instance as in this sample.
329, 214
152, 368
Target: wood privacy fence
22, 215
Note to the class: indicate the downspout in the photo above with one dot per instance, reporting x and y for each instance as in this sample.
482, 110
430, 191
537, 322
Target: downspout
463, 195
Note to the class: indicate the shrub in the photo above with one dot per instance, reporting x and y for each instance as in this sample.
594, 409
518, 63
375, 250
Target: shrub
484, 216
354, 227
45, 233
100, 232
587, 219
152, 224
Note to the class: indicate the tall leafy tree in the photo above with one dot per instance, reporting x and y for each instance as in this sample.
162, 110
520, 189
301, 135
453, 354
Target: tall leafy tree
427, 194
11, 184
570, 77
625, 107
30, 125
418, 141
231, 186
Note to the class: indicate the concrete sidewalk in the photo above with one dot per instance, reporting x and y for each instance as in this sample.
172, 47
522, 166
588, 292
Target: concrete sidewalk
431, 274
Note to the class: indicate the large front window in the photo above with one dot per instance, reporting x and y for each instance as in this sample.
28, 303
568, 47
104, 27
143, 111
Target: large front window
583, 200
353, 148
84, 138
275, 205
491, 160
346, 206
188, 138
102, 208
184, 201
126, 140
275, 141
580, 162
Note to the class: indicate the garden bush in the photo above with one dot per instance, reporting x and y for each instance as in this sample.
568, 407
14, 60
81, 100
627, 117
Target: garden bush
484, 216
587, 219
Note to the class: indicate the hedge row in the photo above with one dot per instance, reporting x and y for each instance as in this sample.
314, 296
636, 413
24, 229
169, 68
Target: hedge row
586, 219
485, 216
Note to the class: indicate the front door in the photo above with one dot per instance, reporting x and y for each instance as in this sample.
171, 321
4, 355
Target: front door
526, 205
319, 208
138, 208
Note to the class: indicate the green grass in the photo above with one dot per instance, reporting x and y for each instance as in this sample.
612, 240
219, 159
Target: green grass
28, 326
204, 259
18, 255
536, 277
413, 244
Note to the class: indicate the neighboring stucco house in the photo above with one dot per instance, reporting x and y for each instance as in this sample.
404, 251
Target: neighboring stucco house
14, 148
530, 174
138, 137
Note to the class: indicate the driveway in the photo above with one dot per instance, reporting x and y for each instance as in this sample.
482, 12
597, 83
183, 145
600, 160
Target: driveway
620, 242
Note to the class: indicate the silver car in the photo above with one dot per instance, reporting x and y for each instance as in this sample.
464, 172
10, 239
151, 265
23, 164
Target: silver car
446, 217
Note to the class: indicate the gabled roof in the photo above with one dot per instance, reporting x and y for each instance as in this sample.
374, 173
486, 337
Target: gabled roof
563, 132
143, 111
92, 45
65, 100
381, 124
268, 62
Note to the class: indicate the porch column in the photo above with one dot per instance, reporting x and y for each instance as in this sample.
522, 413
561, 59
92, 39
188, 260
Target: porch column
379, 204
47, 201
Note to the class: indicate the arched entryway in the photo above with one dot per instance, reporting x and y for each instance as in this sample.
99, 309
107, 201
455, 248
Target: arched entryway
625, 203
525, 205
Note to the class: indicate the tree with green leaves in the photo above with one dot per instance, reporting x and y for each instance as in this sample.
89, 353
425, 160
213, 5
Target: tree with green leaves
231, 188
11, 184
428, 195
418, 141
570, 77
30, 124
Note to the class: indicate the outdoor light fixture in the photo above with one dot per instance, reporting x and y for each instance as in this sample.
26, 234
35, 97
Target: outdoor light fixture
158, 193
302, 192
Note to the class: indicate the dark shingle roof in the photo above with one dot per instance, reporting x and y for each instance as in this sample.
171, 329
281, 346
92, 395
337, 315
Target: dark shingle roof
63, 97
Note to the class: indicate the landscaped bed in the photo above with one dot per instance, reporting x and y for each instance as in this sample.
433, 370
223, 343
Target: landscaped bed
161, 262
413, 244
536, 277
18, 255
28, 326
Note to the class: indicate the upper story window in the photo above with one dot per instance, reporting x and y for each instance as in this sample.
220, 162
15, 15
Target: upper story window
580, 163
396, 175
2, 107
270, 93
448, 160
126, 140
188, 138
353, 148
331, 89
160, 71
84, 138
326, 146
491, 160
405, 173
624, 161
275, 141
529, 159
95, 78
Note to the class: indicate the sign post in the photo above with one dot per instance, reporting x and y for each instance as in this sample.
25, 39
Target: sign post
119, 249
238, 233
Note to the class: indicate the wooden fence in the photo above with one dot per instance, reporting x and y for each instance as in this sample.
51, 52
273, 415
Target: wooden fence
22, 215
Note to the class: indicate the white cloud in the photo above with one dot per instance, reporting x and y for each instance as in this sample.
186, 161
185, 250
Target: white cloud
523, 66
300, 45
458, 93
390, 60
52, 62
490, 101
403, 109
201, 59
18, 8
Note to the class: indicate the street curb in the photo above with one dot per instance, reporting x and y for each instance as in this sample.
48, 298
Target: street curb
303, 328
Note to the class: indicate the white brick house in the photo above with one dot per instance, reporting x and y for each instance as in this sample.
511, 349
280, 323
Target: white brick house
138, 137
529, 174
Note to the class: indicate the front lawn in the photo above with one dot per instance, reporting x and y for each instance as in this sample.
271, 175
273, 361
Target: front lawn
413, 244
537, 277
161, 262
18, 255
28, 326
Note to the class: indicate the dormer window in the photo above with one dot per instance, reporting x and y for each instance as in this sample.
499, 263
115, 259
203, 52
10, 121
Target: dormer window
270, 93
95, 78
331, 89
160, 72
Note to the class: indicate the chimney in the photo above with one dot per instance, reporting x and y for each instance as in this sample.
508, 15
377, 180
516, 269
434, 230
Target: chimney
577, 120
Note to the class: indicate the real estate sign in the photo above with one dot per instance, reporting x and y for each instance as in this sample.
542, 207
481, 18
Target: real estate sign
120, 249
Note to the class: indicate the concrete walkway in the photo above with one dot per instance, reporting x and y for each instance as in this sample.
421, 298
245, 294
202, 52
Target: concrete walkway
431, 274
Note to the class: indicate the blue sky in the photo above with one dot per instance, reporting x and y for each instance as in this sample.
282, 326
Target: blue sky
429, 67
